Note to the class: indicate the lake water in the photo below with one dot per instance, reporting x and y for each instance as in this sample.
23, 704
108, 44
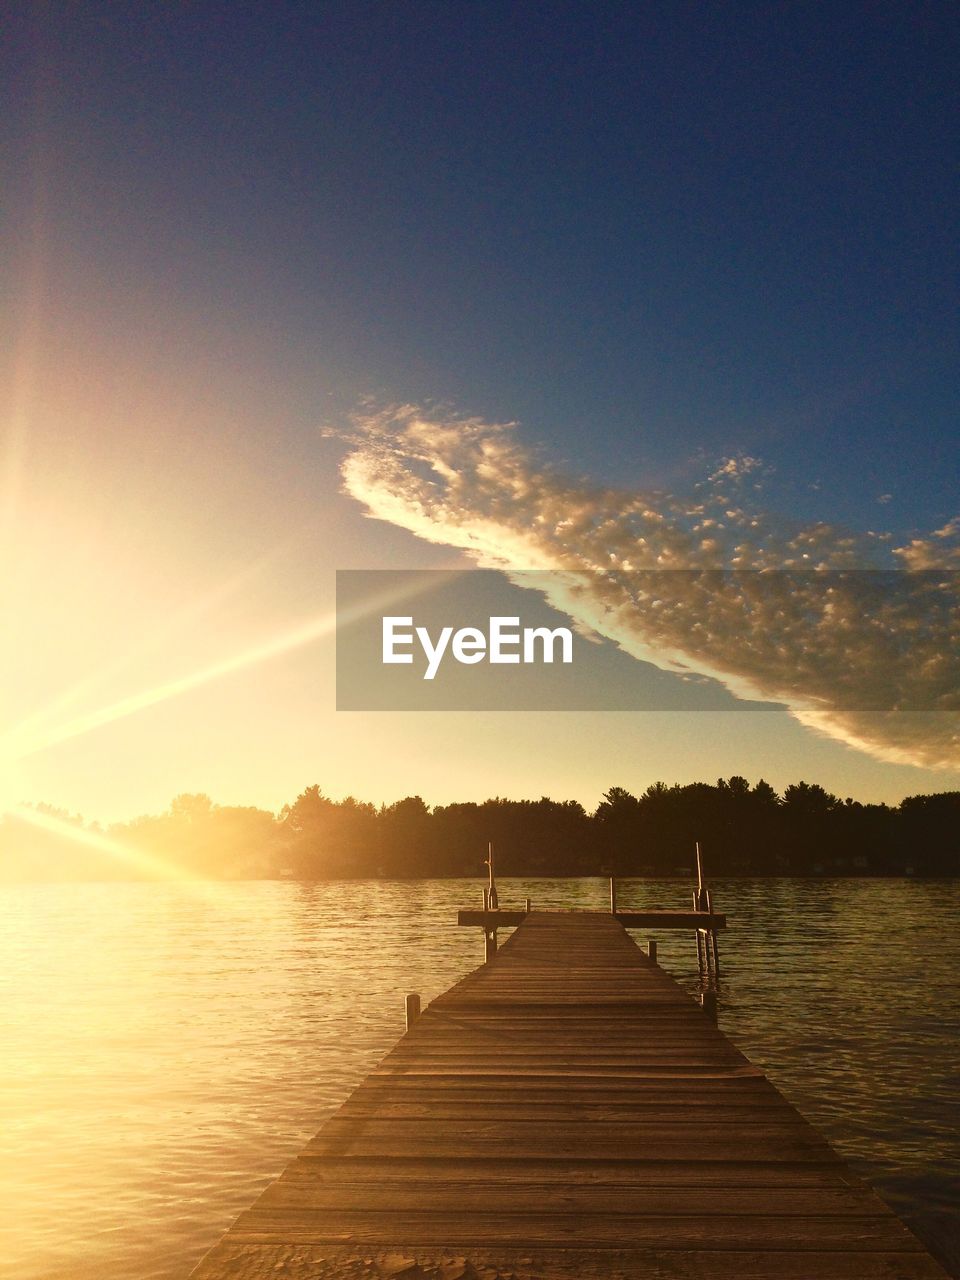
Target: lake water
169, 1048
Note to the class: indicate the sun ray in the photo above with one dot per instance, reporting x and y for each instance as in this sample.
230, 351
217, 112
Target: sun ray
19, 743
128, 856
156, 641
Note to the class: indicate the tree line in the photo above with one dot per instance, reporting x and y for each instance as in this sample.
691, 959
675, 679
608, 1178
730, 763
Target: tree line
743, 830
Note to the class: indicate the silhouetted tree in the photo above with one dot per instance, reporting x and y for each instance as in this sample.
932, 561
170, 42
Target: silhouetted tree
743, 830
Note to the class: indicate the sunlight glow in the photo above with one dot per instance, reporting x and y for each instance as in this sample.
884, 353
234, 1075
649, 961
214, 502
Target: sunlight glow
158, 638
136, 859
21, 742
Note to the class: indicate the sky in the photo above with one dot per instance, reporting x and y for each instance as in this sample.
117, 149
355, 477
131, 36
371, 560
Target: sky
293, 289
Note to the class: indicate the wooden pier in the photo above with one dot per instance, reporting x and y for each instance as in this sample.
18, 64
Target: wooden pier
567, 1111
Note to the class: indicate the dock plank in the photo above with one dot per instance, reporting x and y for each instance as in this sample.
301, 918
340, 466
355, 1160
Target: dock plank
567, 1111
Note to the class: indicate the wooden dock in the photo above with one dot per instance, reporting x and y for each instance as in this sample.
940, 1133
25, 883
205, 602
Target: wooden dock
568, 1111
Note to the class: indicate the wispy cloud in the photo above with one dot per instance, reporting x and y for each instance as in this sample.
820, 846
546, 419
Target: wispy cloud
830, 647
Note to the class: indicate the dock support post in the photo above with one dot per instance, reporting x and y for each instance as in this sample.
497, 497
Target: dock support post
489, 944
613, 895
652, 949
412, 1009
526, 905
708, 1000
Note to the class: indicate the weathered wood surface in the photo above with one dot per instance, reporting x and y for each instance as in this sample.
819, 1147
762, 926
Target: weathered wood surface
568, 1111
506, 919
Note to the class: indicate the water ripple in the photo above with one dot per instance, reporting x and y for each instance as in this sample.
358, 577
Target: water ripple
166, 1057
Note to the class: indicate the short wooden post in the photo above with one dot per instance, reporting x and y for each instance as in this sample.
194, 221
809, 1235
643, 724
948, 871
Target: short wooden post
652, 949
526, 905
613, 895
708, 1000
489, 944
486, 898
412, 1009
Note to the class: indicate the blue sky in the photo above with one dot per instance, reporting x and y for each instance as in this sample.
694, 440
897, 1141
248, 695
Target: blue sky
643, 230
657, 237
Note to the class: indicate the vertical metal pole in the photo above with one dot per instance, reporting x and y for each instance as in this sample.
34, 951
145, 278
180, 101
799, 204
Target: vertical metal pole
713, 939
700, 953
488, 933
492, 896
412, 1009
613, 895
